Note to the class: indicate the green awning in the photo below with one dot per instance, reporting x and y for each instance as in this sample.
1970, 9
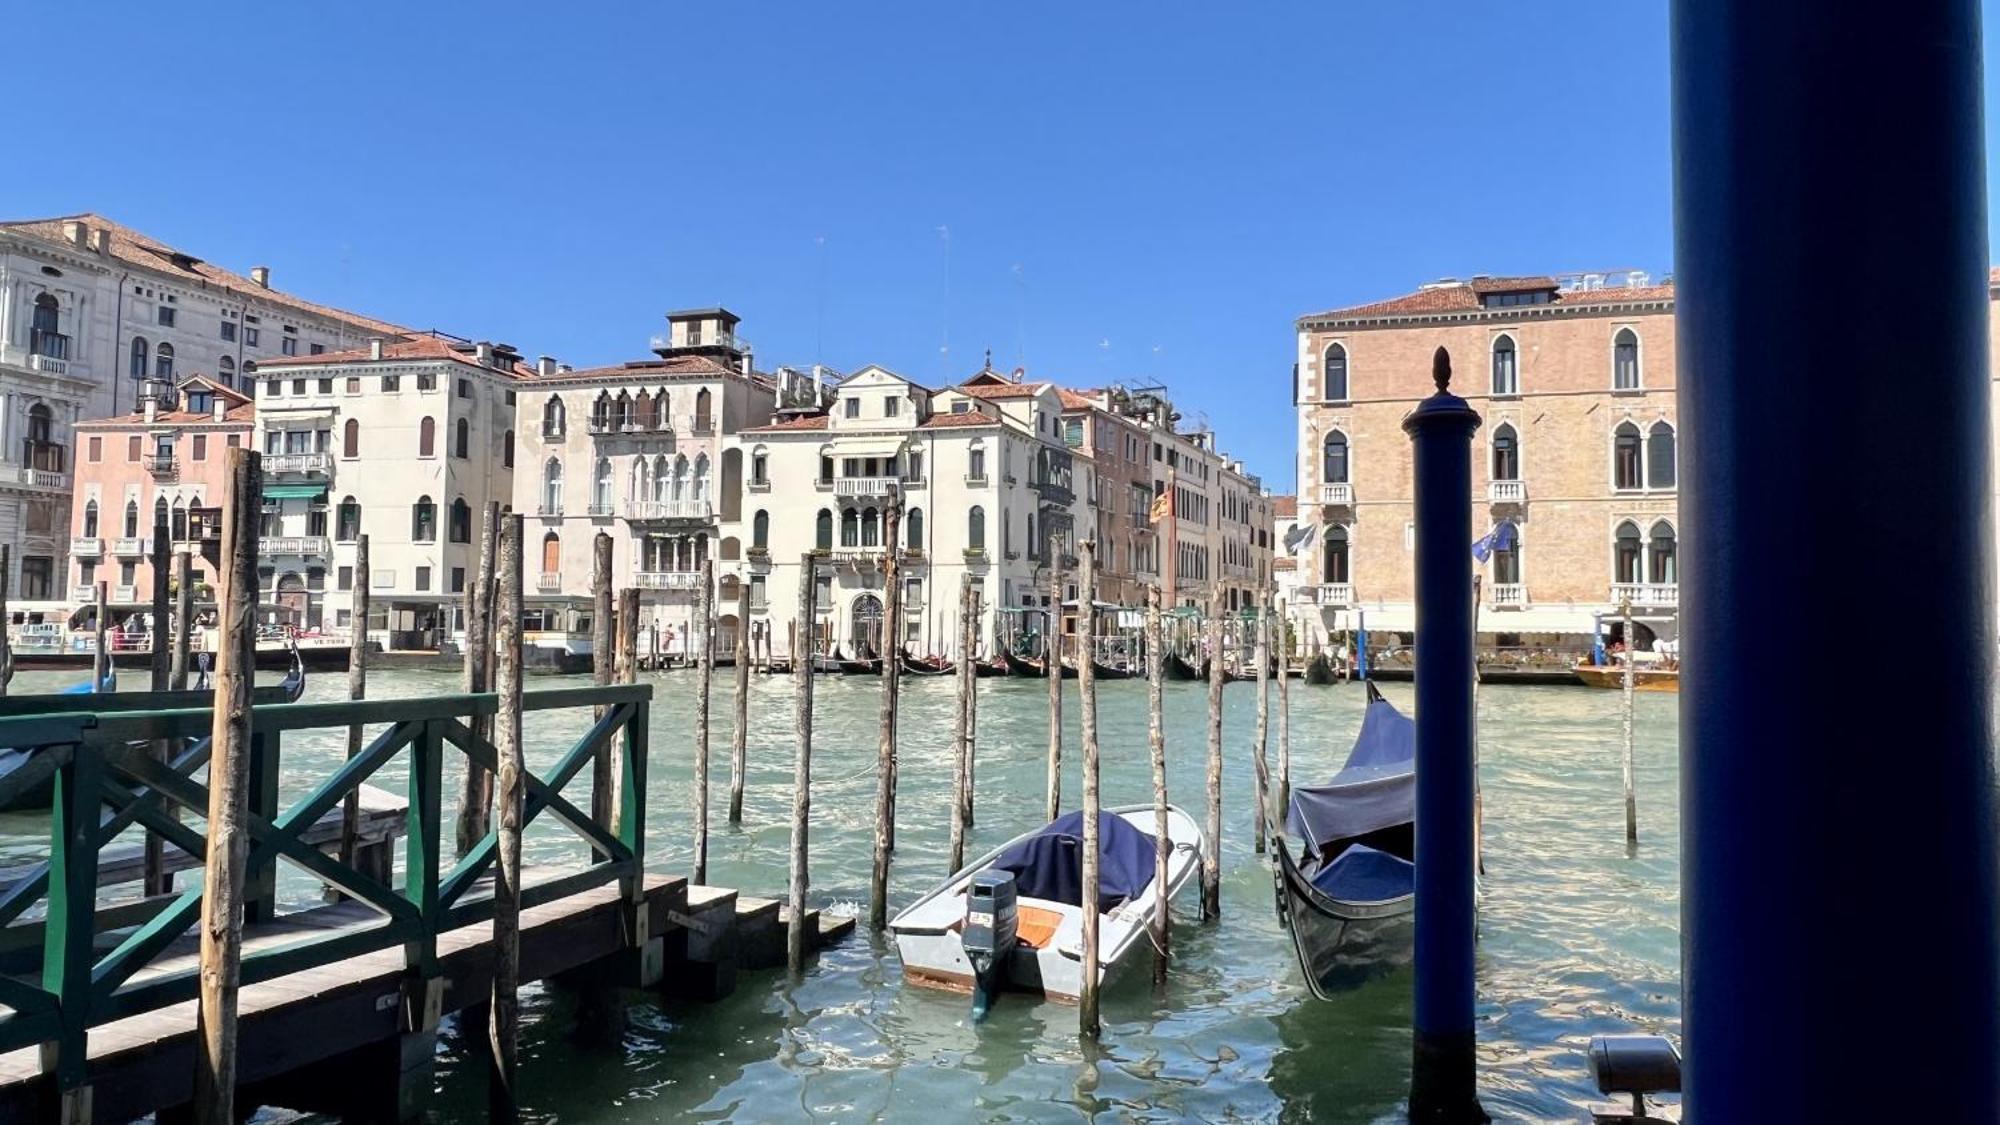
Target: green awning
294, 491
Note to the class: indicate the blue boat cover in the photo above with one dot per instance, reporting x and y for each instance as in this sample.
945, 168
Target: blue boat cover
1049, 864
1363, 874
1376, 789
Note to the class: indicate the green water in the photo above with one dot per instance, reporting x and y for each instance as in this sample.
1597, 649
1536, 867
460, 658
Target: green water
1576, 936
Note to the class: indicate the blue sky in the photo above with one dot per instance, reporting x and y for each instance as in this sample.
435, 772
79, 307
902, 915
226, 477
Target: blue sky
1132, 192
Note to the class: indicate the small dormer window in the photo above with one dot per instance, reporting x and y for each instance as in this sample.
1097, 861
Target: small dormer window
889, 407
961, 407
854, 408
198, 402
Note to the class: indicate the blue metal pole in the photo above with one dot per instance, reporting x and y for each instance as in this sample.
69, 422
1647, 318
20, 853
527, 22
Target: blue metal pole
1442, 1077
1361, 644
1839, 899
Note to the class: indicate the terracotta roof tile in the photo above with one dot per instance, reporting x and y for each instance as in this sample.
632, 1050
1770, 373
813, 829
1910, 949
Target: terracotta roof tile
969, 418
416, 347
677, 365
1003, 390
803, 422
1464, 297
243, 411
1285, 507
1074, 401
128, 245
1618, 295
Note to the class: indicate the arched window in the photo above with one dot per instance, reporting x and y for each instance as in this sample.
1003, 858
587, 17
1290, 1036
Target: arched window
642, 411
641, 485
461, 521
702, 405
461, 439
600, 411
662, 477
551, 554
141, 356
1506, 376
507, 450
1662, 563
701, 478
350, 438
226, 369
45, 331
760, 530
163, 362
1626, 564
823, 530
41, 425
427, 437
131, 519
1506, 453
347, 520
553, 417
600, 492
700, 550
1625, 471
423, 521
680, 477
249, 379
871, 523
90, 519
850, 528
552, 487
1625, 361
1333, 461
179, 520
1660, 455
162, 516
914, 528
663, 405
1507, 558
1333, 556
1335, 370
975, 528
621, 410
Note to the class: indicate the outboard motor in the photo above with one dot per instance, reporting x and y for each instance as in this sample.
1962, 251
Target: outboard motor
992, 920
1637, 1065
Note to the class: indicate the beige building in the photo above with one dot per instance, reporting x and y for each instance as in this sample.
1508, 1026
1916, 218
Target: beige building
1574, 381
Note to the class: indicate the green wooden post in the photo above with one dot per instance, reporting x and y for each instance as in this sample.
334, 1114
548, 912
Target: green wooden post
423, 988
67, 950
260, 891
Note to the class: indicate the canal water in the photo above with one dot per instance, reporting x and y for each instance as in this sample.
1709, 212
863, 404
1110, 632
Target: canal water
1577, 936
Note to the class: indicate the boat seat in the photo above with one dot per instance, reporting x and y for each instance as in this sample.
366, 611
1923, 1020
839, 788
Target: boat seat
1037, 926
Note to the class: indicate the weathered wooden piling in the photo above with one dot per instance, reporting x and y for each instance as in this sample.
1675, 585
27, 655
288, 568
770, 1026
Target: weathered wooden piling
1262, 654
1284, 713
704, 622
475, 798
183, 633
628, 636
739, 737
1086, 684
1052, 664
1625, 720
155, 879
357, 688
100, 660
1211, 860
885, 741
511, 792
603, 767
228, 794
1156, 741
971, 719
802, 707
960, 747
6, 640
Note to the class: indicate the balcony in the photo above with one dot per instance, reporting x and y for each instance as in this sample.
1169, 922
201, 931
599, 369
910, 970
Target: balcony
302, 546
1054, 492
552, 433
128, 546
35, 478
858, 558
547, 509
48, 352
667, 579
701, 425
86, 548
123, 595
601, 426
1507, 492
163, 465
760, 603
975, 556
975, 480
83, 594
726, 340
601, 511
314, 464
1339, 495
549, 582
1655, 595
46, 456
1333, 595
1509, 595
865, 487
685, 509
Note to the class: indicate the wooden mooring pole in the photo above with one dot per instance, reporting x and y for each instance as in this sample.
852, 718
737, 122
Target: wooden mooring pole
1211, 860
739, 737
603, 767
1284, 713
1086, 684
357, 688
505, 1019
1625, 720
475, 798
704, 621
885, 740
154, 878
228, 793
960, 746
1156, 741
100, 660
6, 637
1262, 654
1052, 664
802, 707
177, 667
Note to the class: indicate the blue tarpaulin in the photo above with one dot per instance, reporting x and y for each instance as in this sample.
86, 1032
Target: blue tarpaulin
1049, 864
1362, 874
1376, 789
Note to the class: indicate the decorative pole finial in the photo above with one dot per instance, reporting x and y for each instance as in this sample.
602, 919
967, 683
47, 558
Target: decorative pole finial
1441, 369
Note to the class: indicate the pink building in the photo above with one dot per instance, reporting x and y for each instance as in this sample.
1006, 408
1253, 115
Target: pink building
155, 463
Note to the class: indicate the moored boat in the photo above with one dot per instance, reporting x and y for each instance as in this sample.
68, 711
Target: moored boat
1645, 677
1042, 952
1105, 671
1349, 897
1024, 666
928, 666
1180, 668
995, 666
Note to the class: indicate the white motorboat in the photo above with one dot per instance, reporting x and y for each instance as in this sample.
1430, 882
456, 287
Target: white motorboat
1041, 947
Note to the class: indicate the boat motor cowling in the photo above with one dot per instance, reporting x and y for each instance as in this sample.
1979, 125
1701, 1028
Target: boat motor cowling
992, 921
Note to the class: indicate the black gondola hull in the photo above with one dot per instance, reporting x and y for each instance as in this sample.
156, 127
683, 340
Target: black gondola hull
1342, 945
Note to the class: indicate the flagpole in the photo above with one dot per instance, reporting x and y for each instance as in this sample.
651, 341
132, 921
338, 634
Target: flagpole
1172, 560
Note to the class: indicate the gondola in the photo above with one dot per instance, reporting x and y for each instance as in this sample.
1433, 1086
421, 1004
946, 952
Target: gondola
1349, 898
996, 666
867, 666
933, 666
1025, 666
1178, 668
1105, 671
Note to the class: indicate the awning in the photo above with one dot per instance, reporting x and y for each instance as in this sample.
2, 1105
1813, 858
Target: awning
294, 491
1552, 619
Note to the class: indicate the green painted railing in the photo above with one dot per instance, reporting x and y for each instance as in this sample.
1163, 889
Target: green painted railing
107, 781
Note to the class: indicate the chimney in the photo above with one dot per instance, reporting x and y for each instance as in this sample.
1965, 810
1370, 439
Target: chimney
152, 404
483, 352
76, 232
100, 240
218, 406
564, 369
261, 275
375, 347
545, 366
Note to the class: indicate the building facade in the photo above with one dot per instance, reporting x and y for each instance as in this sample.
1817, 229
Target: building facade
1577, 451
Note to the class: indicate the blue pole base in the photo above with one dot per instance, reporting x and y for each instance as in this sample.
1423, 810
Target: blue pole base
1443, 1086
